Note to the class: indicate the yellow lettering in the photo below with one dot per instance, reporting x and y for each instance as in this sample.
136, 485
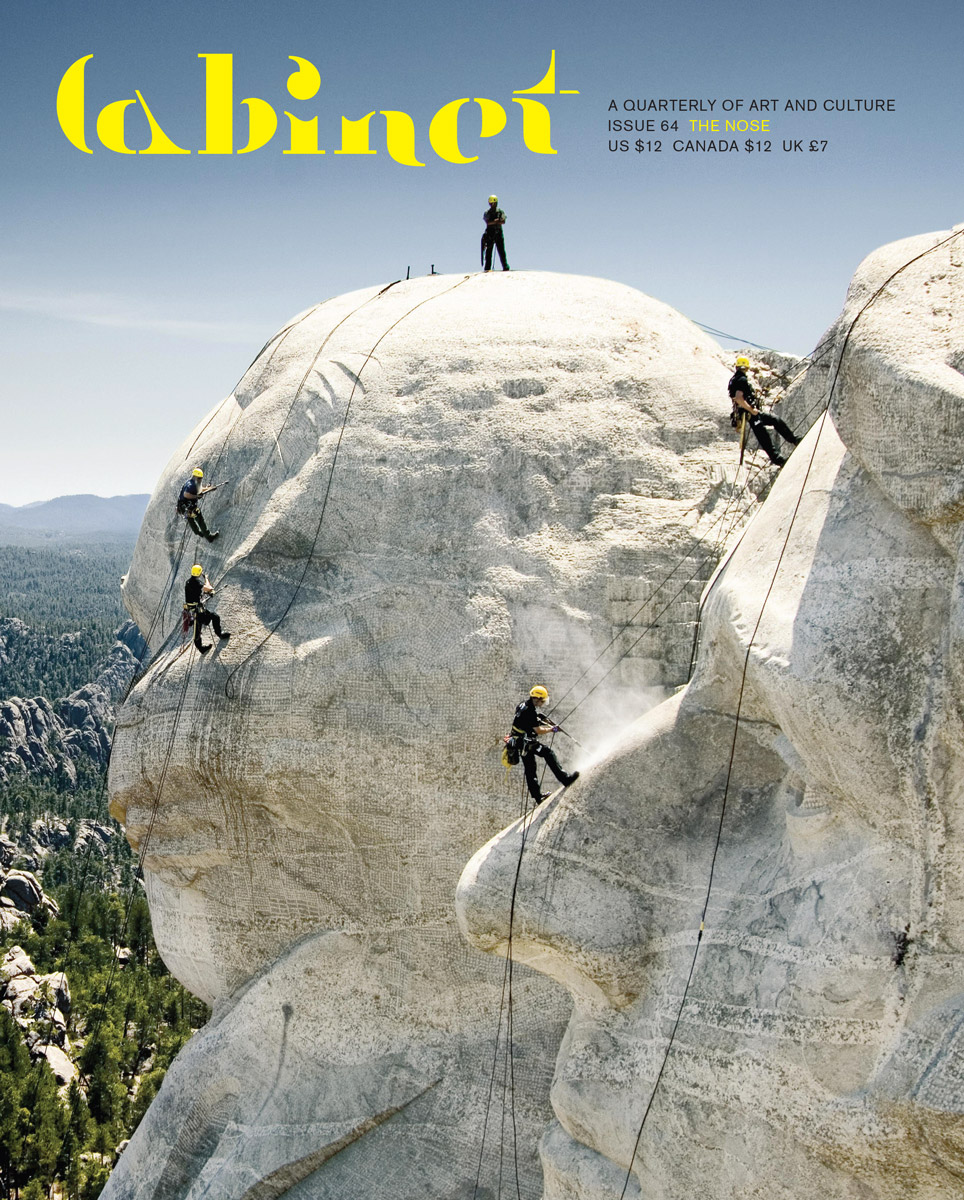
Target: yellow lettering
219, 110
263, 122
305, 82
110, 126
399, 137
110, 129
304, 135
536, 126
546, 85
354, 135
160, 143
443, 132
70, 104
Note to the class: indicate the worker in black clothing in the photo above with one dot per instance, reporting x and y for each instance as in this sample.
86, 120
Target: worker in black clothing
196, 590
187, 504
527, 724
494, 219
744, 400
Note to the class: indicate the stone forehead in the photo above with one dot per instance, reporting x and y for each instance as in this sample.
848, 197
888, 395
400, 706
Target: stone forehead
523, 337
433, 393
897, 364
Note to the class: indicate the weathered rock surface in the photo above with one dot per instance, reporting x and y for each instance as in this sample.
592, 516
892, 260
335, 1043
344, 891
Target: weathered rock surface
48, 834
23, 890
819, 1051
21, 895
40, 1005
433, 496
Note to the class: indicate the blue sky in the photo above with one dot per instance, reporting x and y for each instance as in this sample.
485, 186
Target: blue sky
135, 290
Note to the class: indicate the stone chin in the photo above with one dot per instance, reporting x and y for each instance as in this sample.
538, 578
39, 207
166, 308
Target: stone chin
172, 909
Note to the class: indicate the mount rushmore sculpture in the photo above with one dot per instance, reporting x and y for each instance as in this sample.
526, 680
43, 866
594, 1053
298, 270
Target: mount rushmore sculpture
436, 500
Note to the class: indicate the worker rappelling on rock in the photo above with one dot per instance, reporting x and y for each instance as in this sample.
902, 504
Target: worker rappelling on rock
188, 504
528, 725
745, 401
196, 590
494, 219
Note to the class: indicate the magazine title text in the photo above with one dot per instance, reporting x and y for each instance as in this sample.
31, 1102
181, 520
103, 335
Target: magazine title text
115, 122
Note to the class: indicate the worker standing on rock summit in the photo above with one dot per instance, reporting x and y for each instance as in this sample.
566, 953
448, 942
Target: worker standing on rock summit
187, 504
196, 589
744, 400
494, 219
527, 726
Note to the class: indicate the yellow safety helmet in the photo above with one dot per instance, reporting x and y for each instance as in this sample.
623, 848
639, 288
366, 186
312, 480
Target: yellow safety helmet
197, 569
198, 473
493, 199
742, 362
539, 693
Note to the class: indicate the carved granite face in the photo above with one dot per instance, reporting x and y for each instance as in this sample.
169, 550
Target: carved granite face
332, 767
818, 1049
393, 581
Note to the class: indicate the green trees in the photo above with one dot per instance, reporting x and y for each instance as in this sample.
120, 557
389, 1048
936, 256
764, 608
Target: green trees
128, 1020
68, 597
33, 1120
128, 1017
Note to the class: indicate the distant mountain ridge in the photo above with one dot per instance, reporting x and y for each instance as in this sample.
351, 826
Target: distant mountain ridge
73, 517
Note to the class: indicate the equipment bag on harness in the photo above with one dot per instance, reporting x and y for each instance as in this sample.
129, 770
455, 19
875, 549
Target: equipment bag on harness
514, 745
188, 617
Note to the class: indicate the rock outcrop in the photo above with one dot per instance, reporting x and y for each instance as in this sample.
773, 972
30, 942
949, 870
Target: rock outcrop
44, 738
21, 894
804, 794
48, 834
40, 1005
433, 496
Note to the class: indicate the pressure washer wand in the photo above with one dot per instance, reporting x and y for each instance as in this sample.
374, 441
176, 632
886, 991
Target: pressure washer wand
559, 729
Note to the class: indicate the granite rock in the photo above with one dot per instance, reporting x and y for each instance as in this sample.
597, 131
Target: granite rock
432, 496
803, 797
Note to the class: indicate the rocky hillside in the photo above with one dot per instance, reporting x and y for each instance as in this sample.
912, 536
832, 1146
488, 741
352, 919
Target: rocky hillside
89, 1017
46, 738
